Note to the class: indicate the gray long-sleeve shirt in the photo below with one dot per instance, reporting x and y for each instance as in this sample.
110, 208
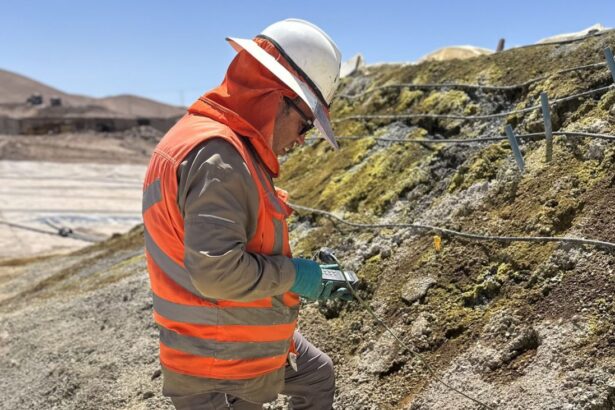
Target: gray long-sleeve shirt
219, 202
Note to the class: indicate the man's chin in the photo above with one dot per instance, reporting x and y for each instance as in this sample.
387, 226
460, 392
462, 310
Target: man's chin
284, 151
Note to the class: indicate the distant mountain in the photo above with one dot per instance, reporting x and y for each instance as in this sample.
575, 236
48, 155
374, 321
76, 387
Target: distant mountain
16, 88
140, 106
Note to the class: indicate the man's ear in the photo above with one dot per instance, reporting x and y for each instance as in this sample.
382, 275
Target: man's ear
285, 108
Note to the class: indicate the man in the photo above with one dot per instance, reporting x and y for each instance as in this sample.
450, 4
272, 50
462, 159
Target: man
225, 287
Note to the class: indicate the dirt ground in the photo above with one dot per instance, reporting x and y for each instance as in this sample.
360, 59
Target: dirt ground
133, 146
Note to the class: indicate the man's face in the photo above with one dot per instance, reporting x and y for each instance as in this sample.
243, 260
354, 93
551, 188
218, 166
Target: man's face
292, 120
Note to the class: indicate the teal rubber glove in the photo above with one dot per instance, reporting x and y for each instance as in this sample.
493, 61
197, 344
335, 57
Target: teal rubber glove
308, 279
327, 291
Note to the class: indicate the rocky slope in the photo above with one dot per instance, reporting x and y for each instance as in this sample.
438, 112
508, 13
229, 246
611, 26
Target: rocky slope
517, 325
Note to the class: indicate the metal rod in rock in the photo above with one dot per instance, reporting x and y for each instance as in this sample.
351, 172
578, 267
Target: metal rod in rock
514, 144
610, 61
546, 115
500, 46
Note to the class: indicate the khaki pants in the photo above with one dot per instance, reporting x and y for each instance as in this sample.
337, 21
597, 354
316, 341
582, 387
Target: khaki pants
310, 387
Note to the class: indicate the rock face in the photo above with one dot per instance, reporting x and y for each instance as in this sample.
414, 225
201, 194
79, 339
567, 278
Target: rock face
516, 325
416, 288
491, 319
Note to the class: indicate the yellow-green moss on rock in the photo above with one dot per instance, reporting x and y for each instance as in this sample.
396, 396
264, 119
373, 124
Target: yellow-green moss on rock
452, 101
483, 168
376, 182
488, 284
312, 168
407, 98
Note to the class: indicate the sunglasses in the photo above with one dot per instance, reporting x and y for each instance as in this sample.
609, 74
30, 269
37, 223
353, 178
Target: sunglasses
308, 124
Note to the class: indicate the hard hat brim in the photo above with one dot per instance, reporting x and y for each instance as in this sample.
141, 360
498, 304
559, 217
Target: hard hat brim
321, 119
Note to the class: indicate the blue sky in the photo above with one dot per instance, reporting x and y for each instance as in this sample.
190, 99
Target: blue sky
174, 51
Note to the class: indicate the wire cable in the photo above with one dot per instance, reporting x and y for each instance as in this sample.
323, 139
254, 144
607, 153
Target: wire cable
469, 117
466, 235
468, 87
479, 139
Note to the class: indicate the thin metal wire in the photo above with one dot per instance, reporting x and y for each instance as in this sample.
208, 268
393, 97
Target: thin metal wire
458, 86
467, 235
479, 139
416, 355
579, 68
470, 117
584, 134
462, 86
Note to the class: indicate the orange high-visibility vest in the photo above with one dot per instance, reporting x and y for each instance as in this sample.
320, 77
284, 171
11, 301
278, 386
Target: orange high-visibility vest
203, 337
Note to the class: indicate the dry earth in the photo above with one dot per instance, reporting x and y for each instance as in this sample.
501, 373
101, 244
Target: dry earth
133, 146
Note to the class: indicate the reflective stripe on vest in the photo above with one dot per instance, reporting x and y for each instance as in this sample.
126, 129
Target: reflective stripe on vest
211, 315
175, 272
151, 195
199, 336
222, 350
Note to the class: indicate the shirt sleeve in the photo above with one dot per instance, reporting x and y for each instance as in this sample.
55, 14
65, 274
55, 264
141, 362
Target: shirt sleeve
219, 201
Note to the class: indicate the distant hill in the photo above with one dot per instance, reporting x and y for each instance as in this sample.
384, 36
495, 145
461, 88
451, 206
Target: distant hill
17, 88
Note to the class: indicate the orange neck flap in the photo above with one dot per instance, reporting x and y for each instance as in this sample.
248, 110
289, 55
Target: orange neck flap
247, 101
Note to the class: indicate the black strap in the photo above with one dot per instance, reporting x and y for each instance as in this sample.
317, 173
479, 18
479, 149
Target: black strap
303, 75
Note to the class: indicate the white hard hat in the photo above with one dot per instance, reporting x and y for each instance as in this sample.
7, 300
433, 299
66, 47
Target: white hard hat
312, 54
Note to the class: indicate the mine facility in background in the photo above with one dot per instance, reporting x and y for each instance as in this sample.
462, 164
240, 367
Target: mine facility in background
38, 116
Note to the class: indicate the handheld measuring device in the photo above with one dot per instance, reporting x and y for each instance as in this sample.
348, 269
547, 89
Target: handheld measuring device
338, 277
